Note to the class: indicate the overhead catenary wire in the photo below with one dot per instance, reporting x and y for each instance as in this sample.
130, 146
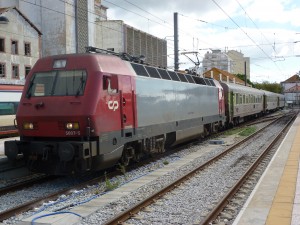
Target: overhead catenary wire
255, 25
247, 35
161, 23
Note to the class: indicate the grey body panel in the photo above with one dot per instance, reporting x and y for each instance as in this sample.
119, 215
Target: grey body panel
163, 101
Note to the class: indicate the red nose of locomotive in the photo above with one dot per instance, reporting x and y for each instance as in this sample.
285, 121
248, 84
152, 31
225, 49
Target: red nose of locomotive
53, 104
44, 117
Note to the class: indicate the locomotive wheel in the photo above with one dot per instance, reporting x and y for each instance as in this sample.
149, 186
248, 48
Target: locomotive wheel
137, 157
125, 160
126, 156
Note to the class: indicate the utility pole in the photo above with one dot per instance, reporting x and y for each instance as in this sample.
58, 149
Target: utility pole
245, 73
176, 60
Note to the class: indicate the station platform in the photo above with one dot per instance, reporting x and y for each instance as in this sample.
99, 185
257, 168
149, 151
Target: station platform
276, 198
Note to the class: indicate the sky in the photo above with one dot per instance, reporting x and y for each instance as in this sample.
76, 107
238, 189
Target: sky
267, 31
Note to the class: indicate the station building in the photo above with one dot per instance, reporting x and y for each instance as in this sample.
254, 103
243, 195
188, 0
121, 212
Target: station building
20, 46
71, 25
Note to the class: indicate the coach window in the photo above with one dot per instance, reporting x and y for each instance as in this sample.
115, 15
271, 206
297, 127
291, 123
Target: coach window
7, 108
14, 47
2, 70
2, 45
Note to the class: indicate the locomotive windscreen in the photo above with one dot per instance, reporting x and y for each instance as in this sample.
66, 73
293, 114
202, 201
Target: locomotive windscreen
57, 83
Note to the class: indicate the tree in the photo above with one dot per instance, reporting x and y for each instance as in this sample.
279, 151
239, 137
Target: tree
267, 86
242, 77
273, 87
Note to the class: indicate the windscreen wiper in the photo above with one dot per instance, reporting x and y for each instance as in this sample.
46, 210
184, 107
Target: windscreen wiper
80, 88
28, 92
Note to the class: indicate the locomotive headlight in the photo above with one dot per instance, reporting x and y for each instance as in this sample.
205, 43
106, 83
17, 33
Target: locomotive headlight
72, 126
59, 63
28, 126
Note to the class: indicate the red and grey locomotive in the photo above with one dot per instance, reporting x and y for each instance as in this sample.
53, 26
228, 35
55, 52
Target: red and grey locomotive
86, 112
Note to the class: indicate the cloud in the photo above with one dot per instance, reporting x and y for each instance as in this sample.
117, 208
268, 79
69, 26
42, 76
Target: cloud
261, 30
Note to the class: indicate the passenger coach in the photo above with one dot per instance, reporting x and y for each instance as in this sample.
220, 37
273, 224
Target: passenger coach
242, 102
10, 96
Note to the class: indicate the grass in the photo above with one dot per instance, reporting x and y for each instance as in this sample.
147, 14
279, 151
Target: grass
165, 162
122, 169
109, 186
246, 131
233, 131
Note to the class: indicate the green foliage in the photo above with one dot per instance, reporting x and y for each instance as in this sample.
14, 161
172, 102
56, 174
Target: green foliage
242, 77
122, 169
247, 131
267, 86
109, 186
165, 162
273, 87
232, 131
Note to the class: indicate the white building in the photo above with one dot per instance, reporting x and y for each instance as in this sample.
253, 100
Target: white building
218, 59
291, 89
69, 26
238, 63
231, 61
120, 37
64, 24
20, 42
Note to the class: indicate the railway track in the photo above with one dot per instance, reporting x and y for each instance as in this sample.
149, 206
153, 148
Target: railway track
29, 205
133, 211
6, 166
23, 182
225, 209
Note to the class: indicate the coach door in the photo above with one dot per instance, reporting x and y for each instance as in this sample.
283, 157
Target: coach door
231, 104
127, 100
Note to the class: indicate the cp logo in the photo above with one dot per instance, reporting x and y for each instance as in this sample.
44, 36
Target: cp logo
113, 105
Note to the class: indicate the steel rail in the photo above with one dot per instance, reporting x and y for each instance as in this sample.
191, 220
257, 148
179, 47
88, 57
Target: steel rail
35, 203
23, 184
127, 214
225, 200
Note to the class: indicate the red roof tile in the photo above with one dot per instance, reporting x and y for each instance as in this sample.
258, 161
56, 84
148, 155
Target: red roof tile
225, 74
292, 79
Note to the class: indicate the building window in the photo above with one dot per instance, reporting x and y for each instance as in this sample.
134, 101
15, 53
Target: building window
15, 71
2, 70
14, 47
2, 45
27, 70
27, 49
